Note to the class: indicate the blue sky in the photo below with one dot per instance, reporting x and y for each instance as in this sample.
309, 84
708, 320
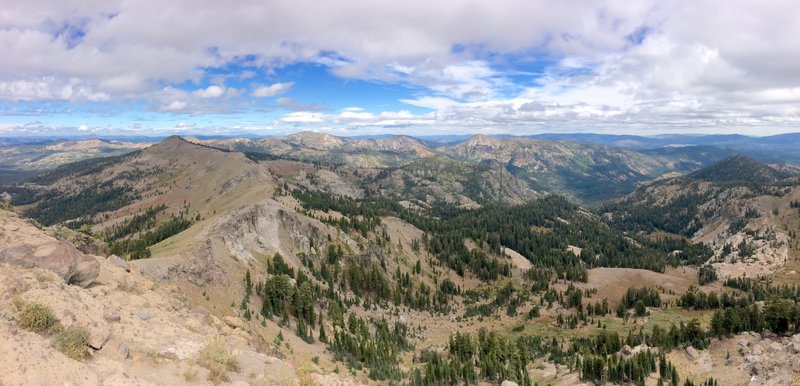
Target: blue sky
361, 67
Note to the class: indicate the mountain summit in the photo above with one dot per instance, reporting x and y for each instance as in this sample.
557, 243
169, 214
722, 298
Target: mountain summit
738, 170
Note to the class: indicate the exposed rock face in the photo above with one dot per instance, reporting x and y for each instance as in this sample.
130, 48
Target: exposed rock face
265, 227
772, 360
216, 253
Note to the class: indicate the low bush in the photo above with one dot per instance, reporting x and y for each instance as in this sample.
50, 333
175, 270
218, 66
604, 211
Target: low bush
73, 342
217, 358
37, 317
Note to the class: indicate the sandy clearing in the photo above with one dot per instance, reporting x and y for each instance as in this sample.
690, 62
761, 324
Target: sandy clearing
612, 283
519, 261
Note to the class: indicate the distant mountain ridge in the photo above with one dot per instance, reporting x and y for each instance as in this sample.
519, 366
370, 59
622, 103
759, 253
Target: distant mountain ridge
739, 170
42, 155
587, 167
588, 172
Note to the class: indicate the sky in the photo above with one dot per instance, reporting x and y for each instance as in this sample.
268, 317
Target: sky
365, 67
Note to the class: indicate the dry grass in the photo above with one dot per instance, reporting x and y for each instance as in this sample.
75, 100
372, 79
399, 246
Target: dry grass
36, 317
219, 360
73, 342
43, 277
190, 375
39, 318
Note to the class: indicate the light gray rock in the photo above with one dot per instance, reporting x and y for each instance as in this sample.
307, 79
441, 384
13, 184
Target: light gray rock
796, 364
98, 336
123, 350
233, 322
546, 370
775, 347
509, 383
141, 314
693, 353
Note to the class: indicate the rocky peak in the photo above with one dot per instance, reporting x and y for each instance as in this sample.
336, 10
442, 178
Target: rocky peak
315, 140
482, 140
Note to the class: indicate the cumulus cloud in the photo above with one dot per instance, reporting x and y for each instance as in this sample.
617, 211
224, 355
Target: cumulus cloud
644, 65
50, 88
210, 92
175, 106
175, 41
271, 90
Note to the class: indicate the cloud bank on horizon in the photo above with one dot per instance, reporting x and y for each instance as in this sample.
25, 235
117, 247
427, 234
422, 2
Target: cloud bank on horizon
354, 67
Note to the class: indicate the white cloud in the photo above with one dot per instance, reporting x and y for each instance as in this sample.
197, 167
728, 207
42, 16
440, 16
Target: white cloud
50, 88
123, 83
213, 91
271, 90
174, 106
635, 65
430, 102
303, 117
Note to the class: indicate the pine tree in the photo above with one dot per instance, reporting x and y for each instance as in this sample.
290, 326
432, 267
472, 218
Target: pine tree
248, 284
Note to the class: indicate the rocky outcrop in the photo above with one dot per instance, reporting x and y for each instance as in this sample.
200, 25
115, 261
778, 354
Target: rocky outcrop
82, 242
266, 227
57, 256
771, 358
217, 254
21, 243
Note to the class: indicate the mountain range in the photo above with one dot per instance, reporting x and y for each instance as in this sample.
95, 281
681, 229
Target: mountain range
329, 260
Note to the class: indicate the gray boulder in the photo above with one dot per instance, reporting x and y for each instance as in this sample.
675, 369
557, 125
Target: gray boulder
692, 353
57, 256
140, 314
